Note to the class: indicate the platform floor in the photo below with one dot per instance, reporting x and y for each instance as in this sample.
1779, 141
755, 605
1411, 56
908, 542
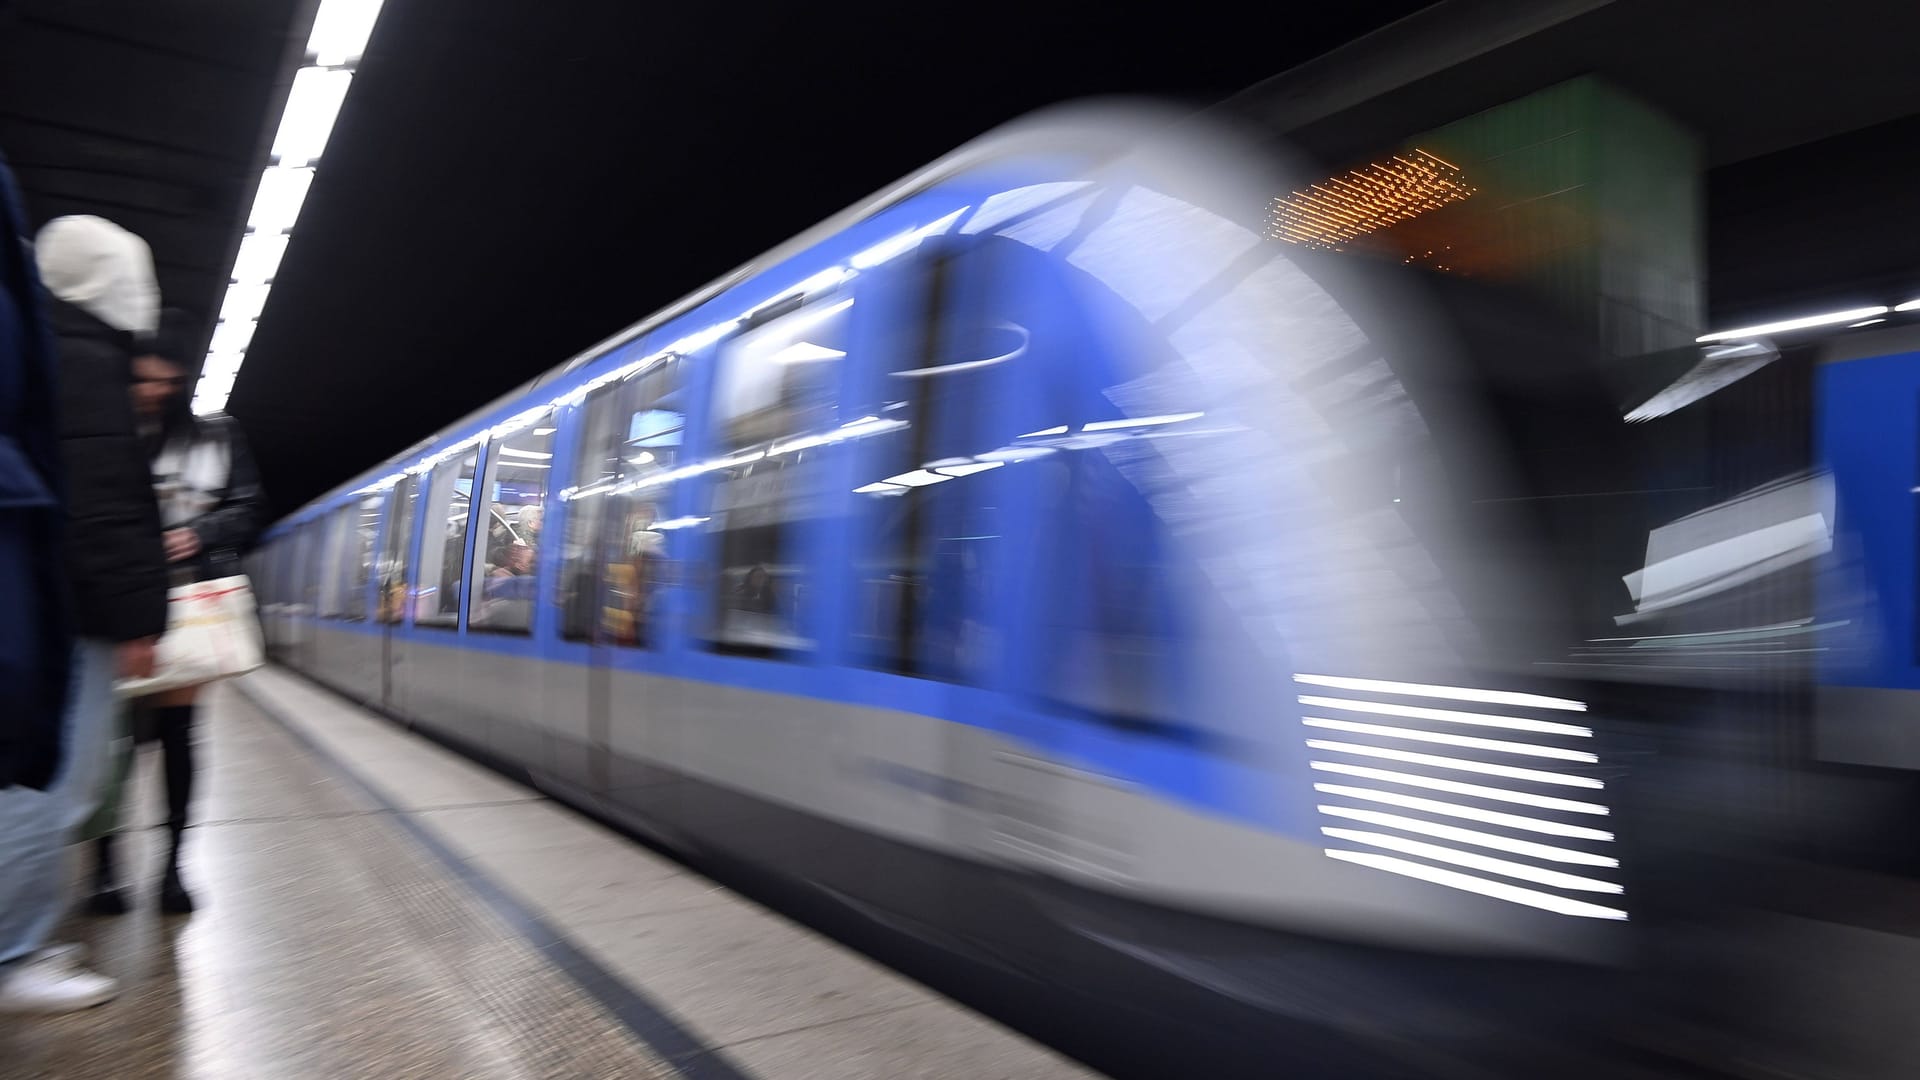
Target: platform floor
374, 905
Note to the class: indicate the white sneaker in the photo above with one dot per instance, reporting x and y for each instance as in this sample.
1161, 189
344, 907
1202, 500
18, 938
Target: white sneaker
53, 984
68, 954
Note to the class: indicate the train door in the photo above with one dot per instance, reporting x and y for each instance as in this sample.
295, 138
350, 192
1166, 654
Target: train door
306, 606
390, 600
580, 691
1087, 677
971, 537
614, 584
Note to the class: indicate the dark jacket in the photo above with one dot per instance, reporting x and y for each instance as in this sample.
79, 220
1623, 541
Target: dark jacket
228, 531
35, 637
116, 567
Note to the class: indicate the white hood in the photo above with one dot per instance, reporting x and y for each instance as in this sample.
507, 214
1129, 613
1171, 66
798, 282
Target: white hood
102, 269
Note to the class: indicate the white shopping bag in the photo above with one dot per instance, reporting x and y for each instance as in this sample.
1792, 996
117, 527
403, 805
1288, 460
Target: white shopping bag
212, 633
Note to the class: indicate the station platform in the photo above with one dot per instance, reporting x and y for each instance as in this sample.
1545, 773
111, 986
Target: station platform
375, 905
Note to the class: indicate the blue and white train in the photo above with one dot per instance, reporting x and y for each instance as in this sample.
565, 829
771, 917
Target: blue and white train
1039, 563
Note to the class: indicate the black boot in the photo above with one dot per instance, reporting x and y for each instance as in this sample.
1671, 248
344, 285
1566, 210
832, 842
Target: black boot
175, 728
106, 899
174, 898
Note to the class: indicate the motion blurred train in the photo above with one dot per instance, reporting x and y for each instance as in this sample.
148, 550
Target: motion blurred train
1038, 562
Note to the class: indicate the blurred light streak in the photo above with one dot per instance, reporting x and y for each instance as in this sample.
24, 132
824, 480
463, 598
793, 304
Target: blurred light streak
1439, 761
1140, 421
1488, 863
1802, 323
1529, 848
1455, 787
1499, 746
1452, 716
1468, 883
1471, 813
1452, 693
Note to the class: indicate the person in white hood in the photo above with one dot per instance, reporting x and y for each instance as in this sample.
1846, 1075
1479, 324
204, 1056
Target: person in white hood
103, 298
102, 269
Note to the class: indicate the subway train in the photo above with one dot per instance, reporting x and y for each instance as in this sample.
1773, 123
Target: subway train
1039, 565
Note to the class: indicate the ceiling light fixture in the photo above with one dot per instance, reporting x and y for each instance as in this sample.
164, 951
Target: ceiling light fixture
341, 29
311, 109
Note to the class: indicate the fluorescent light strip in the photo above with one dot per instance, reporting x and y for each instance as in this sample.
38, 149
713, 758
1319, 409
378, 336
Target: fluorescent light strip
1452, 716
1452, 693
509, 451
1556, 878
1472, 813
1061, 430
1499, 746
312, 107
1458, 835
1468, 883
340, 32
231, 337
277, 202
1910, 305
1140, 421
1438, 761
243, 303
259, 258
1455, 787
341, 29
1803, 323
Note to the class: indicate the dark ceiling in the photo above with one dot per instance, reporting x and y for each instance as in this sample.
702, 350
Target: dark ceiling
510, 182
148, 113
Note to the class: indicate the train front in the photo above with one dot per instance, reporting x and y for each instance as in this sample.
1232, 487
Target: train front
1416, 618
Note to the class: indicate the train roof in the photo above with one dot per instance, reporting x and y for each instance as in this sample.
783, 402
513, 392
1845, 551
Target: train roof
1087, 131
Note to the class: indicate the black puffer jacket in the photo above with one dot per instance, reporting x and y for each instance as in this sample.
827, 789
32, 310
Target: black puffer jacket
116, 567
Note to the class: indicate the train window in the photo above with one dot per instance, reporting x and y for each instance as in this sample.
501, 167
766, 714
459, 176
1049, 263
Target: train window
307, 568
333, 543
443, 543
505, 568
615, 557
1107, 632
774, 405
963, 391
363, 529
391, 603
903, 618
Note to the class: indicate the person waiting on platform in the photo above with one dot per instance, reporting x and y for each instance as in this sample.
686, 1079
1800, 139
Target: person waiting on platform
212, 510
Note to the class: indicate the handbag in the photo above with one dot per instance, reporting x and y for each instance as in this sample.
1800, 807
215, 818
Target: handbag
212, 633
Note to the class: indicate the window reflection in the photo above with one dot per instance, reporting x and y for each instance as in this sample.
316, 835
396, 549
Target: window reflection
776, 382
615, 563
443, 546
506, 568
391, 606
363, 529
